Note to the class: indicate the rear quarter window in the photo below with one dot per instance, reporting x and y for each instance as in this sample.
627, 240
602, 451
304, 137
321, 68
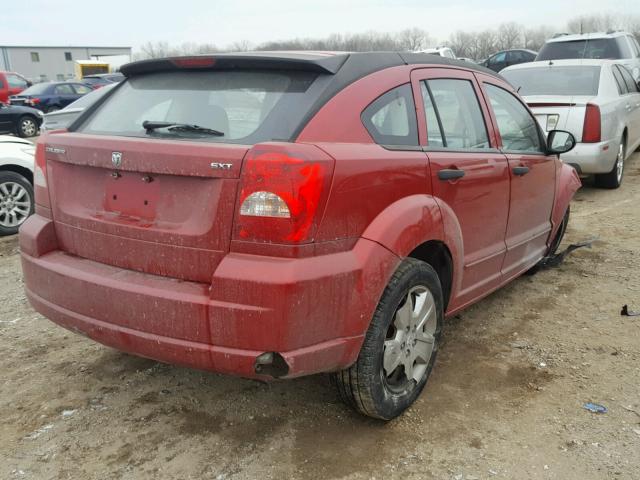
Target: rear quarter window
391, 118
247, 106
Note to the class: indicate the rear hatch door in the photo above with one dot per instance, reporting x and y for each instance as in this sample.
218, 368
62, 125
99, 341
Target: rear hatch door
150, 205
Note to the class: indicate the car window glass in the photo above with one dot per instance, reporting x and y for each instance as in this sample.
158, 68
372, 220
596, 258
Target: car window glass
635, 49
459, 112
498, 58
15, 81
64, 90
517, 127
555, 80
515, 57
625, 49
81, 89
391, 119
589, 48
632, 86
434, 134
622, 86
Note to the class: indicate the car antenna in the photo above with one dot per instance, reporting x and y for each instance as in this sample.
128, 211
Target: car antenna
518, 90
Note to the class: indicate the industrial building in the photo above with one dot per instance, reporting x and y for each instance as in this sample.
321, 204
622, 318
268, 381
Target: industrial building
41, 64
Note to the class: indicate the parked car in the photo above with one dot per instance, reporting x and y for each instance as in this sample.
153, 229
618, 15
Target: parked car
621, 46
16, 183
11, 84
23, 121
101, 79
445, 52
272, 215
50, 96
506, 58
598, 101
467, 59
65, 117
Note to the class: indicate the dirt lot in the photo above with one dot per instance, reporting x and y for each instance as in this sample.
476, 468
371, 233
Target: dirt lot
505, 399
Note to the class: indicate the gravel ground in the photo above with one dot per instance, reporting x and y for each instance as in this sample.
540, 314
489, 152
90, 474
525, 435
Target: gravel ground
505, 399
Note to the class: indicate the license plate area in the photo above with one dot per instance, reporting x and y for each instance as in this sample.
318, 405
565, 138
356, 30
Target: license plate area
133, 194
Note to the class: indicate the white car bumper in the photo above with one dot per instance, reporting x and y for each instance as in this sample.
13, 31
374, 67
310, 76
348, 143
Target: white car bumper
590, 158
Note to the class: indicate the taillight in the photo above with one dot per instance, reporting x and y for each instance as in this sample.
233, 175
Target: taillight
591, 128
32, 101
194, 62
41, 190
282, 193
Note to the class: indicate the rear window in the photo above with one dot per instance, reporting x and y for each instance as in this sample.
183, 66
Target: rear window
247, 106
578, 80
599, 48
37, 89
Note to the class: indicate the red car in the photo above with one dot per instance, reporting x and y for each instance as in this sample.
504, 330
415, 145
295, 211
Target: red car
283, 214
11, 84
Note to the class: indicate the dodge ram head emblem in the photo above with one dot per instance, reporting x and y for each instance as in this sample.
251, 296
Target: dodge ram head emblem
116, 159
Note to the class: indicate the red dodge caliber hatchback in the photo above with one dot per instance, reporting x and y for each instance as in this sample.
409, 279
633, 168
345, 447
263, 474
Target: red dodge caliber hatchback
283, 214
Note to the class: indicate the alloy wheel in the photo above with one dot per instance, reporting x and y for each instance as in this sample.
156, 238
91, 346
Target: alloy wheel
28, 127
620, 162
410, 339
15, 204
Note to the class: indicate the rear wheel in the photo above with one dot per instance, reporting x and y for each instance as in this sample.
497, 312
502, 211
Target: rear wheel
613, 179
16, 202
27, 126
400, 346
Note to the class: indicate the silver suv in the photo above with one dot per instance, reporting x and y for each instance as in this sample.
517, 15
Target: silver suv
621, 46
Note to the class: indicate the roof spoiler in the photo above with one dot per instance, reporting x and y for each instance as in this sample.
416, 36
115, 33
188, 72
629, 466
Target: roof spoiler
319, 63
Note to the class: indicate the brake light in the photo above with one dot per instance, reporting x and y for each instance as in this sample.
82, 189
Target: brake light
41, 190
591, 130
32, 101
194, 62
282, 194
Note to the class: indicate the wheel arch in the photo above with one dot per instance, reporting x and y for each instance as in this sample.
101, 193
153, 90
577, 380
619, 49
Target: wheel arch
422, 227
567, 184
25, 172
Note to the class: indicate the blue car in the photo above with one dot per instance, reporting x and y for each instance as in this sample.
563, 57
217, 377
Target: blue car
51, 96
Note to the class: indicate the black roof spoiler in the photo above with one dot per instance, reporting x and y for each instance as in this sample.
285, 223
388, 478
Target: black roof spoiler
327, 63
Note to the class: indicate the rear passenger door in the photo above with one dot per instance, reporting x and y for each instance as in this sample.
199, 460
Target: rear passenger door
533, 175
469, 175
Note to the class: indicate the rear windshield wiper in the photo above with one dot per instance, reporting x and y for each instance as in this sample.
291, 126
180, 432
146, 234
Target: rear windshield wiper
150, 126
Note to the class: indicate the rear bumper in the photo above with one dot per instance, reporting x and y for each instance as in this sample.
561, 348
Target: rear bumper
314, 311
591, 158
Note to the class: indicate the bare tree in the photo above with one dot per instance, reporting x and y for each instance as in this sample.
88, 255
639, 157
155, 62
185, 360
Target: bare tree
593, 23
534, 38
509, 35
413, 39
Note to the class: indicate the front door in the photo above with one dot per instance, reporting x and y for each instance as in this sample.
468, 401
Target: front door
533, 178
469, 175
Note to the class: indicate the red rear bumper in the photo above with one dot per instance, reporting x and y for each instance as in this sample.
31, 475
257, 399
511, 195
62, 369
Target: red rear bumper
312, 311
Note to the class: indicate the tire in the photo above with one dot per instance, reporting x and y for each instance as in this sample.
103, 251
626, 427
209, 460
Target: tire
16, 202
613, 179
368, 386
27, 126
557, 240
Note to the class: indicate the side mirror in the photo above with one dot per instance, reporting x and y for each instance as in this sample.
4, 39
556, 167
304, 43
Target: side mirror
560, 141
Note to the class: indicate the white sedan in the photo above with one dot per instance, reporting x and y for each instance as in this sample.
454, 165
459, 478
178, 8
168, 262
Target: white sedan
598, 101
16, 183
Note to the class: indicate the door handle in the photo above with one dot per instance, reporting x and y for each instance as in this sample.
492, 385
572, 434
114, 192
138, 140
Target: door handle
520, 171
450, 174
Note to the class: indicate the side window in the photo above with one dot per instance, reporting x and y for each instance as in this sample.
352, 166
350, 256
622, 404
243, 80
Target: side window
64, 89
622, 86
518, 129
81, 89
15, 81
632, 87
515, 57
636, 46
456, 106
434, 132
391, 118
498, 58
623, 46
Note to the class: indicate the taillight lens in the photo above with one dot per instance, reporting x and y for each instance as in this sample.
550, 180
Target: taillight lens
591, 131
32, 101
41, 190
282, 193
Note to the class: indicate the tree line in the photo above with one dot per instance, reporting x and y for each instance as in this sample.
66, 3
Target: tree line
472, 44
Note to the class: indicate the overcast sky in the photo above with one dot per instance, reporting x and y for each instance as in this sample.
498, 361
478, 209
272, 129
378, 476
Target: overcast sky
132, 22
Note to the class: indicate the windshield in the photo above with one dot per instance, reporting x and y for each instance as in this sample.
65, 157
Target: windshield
574, 80
37, 89
246, 106
599, 48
